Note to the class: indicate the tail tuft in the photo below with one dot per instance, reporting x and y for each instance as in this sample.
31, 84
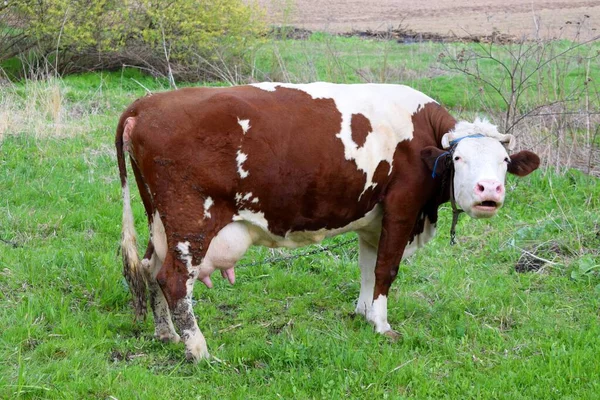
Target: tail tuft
132, 266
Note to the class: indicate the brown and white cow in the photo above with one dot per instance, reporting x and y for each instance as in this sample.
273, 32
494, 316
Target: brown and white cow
284, 165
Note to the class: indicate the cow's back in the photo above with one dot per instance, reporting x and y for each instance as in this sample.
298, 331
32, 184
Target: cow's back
299, 157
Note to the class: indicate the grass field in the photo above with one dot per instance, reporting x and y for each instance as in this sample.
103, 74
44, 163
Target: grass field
471, 325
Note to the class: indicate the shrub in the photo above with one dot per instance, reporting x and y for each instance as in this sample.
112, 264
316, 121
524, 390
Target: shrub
161, 36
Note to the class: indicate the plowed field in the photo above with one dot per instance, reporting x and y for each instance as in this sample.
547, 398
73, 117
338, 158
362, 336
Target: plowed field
549, 18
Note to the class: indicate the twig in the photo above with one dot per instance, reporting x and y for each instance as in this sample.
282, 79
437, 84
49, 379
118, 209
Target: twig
401, 365
139, 83
62, 26
530, 254
167, 57
8, 242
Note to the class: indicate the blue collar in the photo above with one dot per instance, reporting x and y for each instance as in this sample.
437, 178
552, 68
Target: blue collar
455, 141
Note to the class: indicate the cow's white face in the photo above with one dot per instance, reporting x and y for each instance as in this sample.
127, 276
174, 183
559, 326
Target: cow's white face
480, 158
480, 166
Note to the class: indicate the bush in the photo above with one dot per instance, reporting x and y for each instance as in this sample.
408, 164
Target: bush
164, 37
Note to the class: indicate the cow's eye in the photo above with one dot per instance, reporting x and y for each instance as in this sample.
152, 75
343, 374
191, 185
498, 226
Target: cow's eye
506, 160
457, 158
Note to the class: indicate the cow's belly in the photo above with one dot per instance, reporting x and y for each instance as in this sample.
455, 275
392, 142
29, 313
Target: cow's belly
232, 242
263, 237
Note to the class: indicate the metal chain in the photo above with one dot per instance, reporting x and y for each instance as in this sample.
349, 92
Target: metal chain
277, 259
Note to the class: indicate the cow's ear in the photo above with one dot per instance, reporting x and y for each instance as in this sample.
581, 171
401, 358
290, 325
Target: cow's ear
435, 158
523, 163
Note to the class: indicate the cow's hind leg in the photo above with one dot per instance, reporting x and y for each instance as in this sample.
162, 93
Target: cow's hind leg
163, 325
176, 279
181, 269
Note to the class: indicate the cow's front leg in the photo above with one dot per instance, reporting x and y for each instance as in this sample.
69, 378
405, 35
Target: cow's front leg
367, 257
394, 236
177, 283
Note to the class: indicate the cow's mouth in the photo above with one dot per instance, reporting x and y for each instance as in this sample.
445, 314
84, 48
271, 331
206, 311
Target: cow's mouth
488, 204
486, 208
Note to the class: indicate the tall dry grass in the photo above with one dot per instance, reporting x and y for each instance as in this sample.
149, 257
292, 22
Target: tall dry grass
37, 106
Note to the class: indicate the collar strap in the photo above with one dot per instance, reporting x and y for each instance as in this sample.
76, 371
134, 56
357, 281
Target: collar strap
455, 141
433, 174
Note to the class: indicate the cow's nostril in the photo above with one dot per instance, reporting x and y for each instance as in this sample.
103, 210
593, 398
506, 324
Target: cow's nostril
480, 188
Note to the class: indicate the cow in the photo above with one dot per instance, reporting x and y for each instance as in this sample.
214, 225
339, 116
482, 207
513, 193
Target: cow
287, 165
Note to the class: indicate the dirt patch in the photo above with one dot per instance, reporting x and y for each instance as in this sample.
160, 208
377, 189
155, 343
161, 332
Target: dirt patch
403, 35
546, 18
535, 259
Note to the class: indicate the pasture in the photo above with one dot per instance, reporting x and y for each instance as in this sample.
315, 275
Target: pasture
511, 311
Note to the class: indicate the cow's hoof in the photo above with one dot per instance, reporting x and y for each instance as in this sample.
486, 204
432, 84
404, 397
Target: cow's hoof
195, 347
393, 335
196, 356
167, 337
361, 309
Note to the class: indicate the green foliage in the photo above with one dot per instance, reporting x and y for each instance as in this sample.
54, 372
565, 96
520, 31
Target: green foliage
193, 27
85, 34
75, 24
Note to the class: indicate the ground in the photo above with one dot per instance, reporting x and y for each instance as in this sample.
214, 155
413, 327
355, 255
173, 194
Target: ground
554, 18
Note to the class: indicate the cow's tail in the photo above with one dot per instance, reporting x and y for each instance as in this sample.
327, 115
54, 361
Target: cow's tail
132, 266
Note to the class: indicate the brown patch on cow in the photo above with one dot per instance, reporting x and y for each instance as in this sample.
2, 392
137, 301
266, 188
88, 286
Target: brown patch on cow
381, 178
382, 172
361, 127
431, 122
298, 170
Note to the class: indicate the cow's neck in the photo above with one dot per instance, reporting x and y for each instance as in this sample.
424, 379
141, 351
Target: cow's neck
441, 122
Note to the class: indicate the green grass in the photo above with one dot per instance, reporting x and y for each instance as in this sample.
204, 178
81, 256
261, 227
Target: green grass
472, 327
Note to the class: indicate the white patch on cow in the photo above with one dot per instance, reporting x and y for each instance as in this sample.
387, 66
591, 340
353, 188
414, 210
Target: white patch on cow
389, 109
268, 86
241, 198
420, 240
479, 126
184, 254
255, 200
193, 270
378, 315
256, 219
245, 124
240, 158
207, 204
159, 238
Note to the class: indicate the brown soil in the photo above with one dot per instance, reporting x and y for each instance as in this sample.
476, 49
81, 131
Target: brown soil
546, 18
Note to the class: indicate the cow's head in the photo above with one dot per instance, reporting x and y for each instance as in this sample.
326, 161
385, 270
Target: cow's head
478, 153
